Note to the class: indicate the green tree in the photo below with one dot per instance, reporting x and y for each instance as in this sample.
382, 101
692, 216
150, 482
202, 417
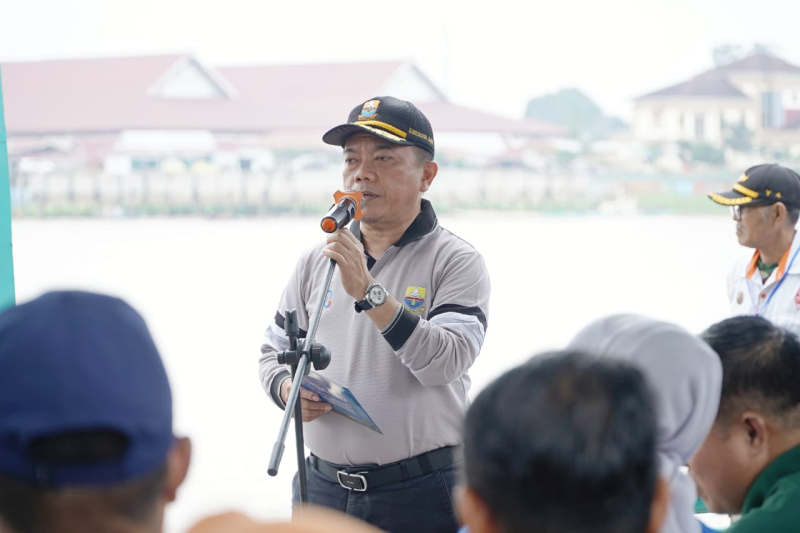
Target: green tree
707, 153
727, 53
577, 112
654, 152
739, 137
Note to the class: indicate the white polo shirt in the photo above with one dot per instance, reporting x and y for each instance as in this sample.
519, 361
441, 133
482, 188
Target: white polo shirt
778, 298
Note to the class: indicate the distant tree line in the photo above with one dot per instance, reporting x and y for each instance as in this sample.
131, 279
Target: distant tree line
571, 108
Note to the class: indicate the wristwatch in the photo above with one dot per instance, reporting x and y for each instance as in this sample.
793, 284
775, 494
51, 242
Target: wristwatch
376, 296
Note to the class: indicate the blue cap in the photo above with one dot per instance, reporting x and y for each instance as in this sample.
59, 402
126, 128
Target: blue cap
73, 362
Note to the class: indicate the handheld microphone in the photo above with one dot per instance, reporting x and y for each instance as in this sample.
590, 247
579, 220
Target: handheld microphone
346, 208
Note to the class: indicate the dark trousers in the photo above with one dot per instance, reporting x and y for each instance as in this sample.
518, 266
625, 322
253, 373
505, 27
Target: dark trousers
418, 505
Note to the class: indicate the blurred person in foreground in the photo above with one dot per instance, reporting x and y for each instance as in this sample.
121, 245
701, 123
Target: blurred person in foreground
405, 319
310, 519
565, 443
750, 462
765, 203
686, 377
86, 442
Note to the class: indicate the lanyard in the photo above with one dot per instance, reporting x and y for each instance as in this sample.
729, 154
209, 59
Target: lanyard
754, 301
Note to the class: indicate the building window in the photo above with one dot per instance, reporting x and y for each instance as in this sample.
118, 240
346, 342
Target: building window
699, 127
772, 115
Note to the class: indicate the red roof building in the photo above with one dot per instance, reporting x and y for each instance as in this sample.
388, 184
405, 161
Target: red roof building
117, 104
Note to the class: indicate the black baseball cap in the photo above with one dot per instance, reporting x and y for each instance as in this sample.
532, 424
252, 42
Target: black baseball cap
389, 118
763, 185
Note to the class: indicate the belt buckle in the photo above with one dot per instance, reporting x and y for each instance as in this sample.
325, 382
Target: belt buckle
355, 482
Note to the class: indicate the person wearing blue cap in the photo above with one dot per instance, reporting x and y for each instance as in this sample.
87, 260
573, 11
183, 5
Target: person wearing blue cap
86, 440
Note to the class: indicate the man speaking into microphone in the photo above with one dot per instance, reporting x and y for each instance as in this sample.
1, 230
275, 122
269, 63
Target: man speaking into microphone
404, 321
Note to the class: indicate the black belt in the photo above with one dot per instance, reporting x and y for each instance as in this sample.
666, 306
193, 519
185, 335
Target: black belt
360, 478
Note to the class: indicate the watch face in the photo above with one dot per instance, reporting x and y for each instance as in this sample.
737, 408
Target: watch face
377, 296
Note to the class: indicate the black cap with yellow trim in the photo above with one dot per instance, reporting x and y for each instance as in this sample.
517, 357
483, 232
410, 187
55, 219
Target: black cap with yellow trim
763, 184
395, 120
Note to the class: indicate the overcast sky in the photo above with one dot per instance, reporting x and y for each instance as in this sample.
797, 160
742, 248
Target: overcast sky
491, 55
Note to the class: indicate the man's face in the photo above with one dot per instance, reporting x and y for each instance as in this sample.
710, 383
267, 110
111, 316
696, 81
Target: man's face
390, 176
724, 470
753, 226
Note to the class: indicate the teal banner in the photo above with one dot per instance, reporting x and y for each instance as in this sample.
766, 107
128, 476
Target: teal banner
7, 297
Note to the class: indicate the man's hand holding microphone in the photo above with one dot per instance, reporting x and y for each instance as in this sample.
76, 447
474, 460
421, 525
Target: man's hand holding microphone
348, 252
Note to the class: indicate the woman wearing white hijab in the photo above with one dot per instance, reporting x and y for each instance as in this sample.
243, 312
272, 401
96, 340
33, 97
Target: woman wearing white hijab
686, 377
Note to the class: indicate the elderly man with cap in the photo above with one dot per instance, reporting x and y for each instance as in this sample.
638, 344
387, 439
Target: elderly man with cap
765, 203
86, 440
405, 320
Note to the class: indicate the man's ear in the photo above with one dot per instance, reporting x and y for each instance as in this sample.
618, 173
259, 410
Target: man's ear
659, 506
178, 459
755, 428
429, 172
780, 211
474, 513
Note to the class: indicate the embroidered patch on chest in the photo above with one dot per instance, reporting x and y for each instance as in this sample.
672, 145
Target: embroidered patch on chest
415, 299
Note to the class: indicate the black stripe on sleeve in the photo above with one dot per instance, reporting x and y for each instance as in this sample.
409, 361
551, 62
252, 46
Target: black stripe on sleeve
275, 388
402, 329
281, 322
460, 309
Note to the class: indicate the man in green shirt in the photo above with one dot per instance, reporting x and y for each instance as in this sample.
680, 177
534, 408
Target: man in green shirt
750, 461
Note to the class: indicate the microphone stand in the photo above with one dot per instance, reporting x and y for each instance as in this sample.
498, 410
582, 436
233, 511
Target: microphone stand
298, 356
